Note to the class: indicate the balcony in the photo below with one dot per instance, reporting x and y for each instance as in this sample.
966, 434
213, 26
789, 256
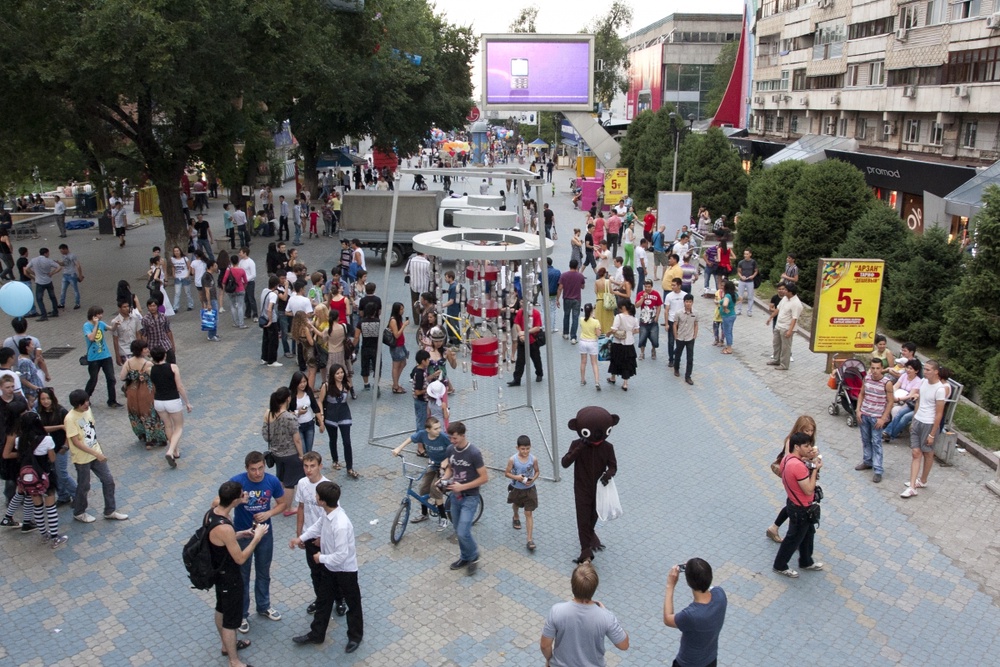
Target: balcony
828, 51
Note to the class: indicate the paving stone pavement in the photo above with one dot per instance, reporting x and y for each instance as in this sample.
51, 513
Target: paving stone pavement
908, 582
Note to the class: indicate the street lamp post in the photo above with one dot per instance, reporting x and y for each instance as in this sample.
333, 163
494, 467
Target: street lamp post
677, 143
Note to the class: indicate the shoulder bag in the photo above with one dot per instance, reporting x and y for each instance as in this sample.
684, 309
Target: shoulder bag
268, 455
610, 302
348, 346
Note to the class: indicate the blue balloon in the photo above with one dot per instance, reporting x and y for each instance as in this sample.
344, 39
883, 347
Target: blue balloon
16, 299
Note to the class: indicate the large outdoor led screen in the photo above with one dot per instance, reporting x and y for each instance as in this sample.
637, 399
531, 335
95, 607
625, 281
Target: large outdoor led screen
547, 72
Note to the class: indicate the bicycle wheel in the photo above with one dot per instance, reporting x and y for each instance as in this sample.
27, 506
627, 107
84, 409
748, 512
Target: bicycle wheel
479, 510
399, 523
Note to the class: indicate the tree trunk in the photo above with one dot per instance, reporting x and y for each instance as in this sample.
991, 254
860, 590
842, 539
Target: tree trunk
310, 156
175, 232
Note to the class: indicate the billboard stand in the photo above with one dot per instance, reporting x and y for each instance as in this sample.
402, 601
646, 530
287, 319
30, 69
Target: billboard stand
848, 294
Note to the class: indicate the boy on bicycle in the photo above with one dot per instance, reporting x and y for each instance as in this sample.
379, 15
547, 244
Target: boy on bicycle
435, 445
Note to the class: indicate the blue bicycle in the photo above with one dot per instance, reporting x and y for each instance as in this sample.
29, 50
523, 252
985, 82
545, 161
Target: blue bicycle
414, 473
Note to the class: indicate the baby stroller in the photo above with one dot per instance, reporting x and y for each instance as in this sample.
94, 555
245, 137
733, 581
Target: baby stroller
850, 378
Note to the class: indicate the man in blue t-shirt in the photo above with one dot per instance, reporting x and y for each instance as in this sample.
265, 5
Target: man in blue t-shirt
433, 444
701, 621
259, 488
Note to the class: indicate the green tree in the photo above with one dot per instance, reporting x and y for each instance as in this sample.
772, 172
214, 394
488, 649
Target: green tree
878, 234
610, 49
632, 141
711, 170
829, 197
971, 332
654, 145
723, 71
762, 220
525, 20
914, 304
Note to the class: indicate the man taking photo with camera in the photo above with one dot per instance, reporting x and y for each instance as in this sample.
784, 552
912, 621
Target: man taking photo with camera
701, 621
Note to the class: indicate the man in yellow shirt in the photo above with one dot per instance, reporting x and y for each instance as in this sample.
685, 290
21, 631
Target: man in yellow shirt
672, 271
87, 456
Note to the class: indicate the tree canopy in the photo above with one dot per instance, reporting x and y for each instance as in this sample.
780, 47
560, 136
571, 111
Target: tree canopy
711, 170
610, 49
762, 220
525, 20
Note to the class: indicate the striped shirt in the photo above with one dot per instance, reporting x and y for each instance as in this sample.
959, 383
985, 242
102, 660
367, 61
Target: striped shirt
419, 270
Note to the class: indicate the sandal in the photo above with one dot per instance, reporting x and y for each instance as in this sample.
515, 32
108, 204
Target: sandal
772, 532
337, 466
611, 380
352, 474
531, 545
240, 645
398, 390
517, 524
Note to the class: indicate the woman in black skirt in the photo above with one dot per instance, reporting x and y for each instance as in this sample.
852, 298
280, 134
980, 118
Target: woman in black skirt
623, 332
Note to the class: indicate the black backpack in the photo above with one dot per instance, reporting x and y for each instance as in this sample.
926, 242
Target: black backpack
197, 556
230, 285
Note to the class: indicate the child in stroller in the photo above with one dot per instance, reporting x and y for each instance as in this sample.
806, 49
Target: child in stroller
849, 378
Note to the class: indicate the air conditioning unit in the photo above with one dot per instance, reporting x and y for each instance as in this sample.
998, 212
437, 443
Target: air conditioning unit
823, 4
889, 129
775, 98
902, 34
759, 99
787, 98
909, 91
961, 91
835, 99
992, 21
804, 100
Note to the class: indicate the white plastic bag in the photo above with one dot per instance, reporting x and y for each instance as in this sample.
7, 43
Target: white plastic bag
609, 507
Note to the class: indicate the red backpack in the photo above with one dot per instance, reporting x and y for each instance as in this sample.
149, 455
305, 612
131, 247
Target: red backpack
32, 481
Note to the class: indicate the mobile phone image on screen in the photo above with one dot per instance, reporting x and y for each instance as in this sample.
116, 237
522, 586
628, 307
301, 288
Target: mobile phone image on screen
519, 76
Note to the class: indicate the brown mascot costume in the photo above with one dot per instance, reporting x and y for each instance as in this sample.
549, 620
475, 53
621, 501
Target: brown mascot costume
594, 459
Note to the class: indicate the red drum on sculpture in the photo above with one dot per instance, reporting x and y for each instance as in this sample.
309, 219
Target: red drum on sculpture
486, 357
489, 309
475, 273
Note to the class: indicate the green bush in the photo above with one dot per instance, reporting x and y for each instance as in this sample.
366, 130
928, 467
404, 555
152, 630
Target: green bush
656, 142
913, 305
829, 197
710, 168
989, 389
879, 234
762, 221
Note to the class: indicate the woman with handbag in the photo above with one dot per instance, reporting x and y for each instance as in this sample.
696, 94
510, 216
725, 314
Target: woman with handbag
623, 356
146, 423
340, 344
398, 352
804, 424
590, 332
606, 304
281, 432
337, 415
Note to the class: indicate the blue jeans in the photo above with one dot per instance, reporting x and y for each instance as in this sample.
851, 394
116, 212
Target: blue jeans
34, 310
182, 285
871, 443
551, 313
747, 292
67, 485
651, 332
212, 333
298, 234
68, 280
571, 317
463, 511
420, 412
260, 559
206, 246
898, 423
283, 325
727, 329
40, 291
307, 432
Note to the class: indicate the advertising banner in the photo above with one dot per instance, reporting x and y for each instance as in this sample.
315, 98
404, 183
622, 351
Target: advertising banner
848, 292
615, 185
543, 72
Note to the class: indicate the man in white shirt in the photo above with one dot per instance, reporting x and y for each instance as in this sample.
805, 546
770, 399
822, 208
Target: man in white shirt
789, 311
418, 269
340, 572
299, 301
673, 305
59, 208
250, 267
125, 328
926, 424
198, 268
240, 220
309, 513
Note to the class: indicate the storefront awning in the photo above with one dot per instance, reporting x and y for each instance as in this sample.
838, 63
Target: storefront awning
906, 175
967, 199
811, 148
338, 158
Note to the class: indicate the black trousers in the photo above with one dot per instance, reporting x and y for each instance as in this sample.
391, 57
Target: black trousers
316, 569
283, 226
269, 343
108, 366
536, 359
334, 585
800, 535
686, 346
250, 300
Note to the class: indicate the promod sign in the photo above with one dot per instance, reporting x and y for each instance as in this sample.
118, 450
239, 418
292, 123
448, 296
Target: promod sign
848, 292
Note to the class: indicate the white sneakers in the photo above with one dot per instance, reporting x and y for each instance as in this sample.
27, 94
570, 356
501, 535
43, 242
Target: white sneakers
908, 493
116, 516
85, 518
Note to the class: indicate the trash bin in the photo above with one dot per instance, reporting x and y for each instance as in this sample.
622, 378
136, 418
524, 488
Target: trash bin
104, 225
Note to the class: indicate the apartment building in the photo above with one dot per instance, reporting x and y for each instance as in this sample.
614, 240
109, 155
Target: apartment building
672, 61
915, 83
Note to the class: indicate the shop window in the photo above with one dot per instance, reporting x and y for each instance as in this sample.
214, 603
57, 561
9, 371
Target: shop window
937, 134
912, 134
908, 17
969, 134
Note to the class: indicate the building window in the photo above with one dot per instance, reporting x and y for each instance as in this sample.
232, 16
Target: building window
935, 12
912, 135
974, 66
785, 74
969, 134
876, 73
826, 81
908, 17
861, 129
922, 76
851, 80
882, 26
799, 79
965, 10
937, 134
779, 124
769, 122
842, 128
793, 124
829, 125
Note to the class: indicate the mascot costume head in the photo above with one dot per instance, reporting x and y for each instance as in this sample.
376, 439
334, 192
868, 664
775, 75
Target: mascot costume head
593, 424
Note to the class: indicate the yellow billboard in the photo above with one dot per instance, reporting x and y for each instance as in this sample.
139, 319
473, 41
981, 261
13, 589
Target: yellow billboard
615, 185
848, 292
